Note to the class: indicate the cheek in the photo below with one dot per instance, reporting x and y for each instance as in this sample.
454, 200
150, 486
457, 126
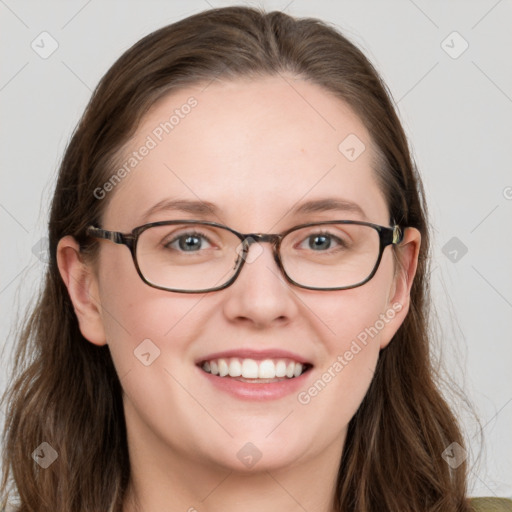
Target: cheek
351, 350
341, 380
149, 334
353, 330
141, 320
354, 316
136, 324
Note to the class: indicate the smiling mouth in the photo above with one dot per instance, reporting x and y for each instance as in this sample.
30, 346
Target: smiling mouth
255, 371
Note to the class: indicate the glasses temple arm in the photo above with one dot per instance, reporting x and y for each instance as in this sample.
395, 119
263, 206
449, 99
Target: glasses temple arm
113, 236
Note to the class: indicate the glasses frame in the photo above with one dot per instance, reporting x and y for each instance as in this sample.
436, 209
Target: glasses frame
387, 236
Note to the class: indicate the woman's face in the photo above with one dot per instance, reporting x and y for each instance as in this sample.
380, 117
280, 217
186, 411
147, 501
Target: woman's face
256, 150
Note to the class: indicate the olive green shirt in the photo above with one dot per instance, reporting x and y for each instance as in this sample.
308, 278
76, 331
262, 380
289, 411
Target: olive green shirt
491, 504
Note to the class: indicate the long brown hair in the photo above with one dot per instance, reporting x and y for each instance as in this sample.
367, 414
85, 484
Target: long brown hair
65, 390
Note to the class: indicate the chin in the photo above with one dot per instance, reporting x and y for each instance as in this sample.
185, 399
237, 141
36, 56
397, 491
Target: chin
254, 453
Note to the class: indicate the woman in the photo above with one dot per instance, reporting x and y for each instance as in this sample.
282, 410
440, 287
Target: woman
263, 338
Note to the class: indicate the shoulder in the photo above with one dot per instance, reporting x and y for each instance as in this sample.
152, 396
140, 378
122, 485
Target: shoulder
491, 504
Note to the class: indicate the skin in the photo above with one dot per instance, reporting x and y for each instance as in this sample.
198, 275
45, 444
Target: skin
254, 148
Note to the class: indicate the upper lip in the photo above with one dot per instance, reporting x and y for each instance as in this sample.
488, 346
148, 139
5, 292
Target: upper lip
258, 355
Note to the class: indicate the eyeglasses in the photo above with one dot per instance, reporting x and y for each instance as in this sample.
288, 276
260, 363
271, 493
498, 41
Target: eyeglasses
189, 256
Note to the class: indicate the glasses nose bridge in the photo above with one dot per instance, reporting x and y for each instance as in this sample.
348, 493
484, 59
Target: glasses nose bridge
262, 237
253, 238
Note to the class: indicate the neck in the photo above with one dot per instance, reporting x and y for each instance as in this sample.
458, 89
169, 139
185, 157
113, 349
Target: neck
162, 479
285, 490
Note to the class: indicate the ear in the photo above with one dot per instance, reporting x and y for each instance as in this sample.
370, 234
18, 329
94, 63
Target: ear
82, 286
399, 297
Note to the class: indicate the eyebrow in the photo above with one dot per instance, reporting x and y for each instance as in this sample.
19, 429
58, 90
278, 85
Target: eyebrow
205, 208
329, 204
183, 205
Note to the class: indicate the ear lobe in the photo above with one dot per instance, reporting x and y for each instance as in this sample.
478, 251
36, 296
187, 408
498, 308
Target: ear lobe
82, 287
399, 299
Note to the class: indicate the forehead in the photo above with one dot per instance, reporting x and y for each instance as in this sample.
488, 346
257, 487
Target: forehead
253, 148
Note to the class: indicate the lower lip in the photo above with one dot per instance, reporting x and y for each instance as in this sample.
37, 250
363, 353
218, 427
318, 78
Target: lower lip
256, 391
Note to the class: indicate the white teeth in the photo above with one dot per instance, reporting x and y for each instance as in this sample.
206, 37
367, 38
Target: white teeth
267, 369
223, 368
235, 368
249, 369
280, 368
253, 369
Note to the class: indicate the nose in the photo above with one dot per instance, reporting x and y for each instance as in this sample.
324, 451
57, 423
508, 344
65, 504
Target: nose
260, 296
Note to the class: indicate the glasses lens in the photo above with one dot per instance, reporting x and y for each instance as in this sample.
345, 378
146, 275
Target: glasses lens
330, 255
193, 257
187, 257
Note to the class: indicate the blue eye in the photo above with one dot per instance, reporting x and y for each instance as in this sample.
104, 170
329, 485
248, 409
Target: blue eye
320, 242
188, 242
323, 241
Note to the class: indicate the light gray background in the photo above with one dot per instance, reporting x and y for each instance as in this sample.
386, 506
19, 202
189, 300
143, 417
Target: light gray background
456, 111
